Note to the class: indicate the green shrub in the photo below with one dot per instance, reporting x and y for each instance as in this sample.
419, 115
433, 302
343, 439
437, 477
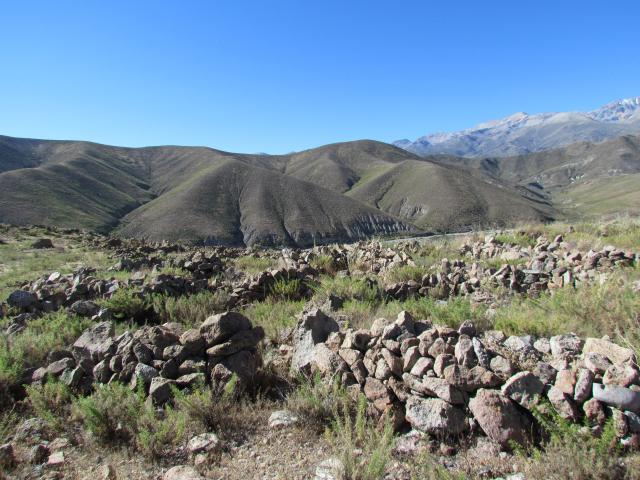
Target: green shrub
158, 434
189, 310
404, 273
571, 451
365, 450
285, 289
595, 309
349, 288
323, 264
31, 347
519, 239
254, 265
274, 316
51, 402
111, 413
127, 304
318, 401
8, 421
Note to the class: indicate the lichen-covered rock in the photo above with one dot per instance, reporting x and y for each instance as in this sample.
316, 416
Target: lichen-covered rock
524, 388
500, 418
219, 328
314, 327
435, 416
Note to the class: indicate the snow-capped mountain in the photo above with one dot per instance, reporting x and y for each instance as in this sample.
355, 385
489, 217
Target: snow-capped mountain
523, 133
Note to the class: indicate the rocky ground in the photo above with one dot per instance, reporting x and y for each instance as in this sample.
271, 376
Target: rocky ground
507, 355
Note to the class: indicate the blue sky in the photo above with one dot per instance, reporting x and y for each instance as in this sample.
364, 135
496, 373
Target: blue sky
276, 76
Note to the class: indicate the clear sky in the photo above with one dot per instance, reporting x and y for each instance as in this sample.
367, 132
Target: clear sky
276, 76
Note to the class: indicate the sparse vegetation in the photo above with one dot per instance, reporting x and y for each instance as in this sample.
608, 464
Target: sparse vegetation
111, 413
276, 317
30, 347
363, 448
189, 310
319, 401
127, 304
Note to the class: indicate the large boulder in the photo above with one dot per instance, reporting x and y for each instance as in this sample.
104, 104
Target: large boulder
435, 416
500, 418
615, 353
314, 327
221, 327
94, 342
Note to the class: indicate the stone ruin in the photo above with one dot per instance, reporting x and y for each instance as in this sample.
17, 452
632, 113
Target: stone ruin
448, 383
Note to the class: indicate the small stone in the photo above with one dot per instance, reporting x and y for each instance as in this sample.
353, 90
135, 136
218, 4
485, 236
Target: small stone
584, 385
500, 418
282, 419
563, 404
330, 469
596, 362
566, 381
621, 375
182, 472
203, 443
502, 366
594, 412
614, 353
422, 366
56, 459
565, 344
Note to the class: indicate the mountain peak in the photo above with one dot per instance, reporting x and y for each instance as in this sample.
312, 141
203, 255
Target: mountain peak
521, 132
618, 111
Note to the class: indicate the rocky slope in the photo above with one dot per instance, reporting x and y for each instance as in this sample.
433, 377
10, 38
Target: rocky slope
341, 192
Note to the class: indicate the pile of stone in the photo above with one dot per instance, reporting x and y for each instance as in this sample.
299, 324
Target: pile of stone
546, 266
448, 382
257, 288
54, 291
155, 358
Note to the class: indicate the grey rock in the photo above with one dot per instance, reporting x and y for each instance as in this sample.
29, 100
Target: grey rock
619, 397
219, 328
160, 390
435, 416
282, 419
524, 388
500, 418
314, 327
22, 299
203, 443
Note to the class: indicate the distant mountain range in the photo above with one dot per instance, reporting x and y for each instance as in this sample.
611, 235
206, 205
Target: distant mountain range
522, 133
340, 192
335, 193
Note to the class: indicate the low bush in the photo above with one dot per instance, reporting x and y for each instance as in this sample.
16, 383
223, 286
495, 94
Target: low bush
111, 413
51, 402
254, 265
364, 449
276, 317
318, 401
285, 289
30, 347
189, 310
348, 288
159, 433
127, 304
572, 451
